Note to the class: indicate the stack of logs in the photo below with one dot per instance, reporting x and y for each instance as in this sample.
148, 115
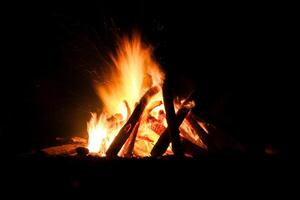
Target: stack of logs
214, 141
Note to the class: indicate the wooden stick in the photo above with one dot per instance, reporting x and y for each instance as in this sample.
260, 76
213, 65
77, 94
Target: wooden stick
193, 149
124, 133
173, 123
129, 149
200, 132
216, 140
164, 140
223, 142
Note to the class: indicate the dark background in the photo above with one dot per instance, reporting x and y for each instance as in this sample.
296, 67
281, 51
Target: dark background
237, 58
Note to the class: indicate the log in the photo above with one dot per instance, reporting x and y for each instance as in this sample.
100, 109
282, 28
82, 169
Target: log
216, 140
130, 147
192, 149
223, 142
198, 129
164, 140
173, 123
205, 137
124, 133
67, 149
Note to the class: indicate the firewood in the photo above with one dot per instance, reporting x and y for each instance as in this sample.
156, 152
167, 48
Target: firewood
216, 140
67, 149
164, 140
193, 149
131, 140
200, 132
173, 123
223, 142
124, 133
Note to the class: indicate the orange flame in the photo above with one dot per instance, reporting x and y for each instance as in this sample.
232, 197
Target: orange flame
131, 72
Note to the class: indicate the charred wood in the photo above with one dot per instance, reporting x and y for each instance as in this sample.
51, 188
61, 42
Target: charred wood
126, 130
164, 140
173, 124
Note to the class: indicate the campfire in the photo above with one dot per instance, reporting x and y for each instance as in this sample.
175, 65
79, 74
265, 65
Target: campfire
141, 115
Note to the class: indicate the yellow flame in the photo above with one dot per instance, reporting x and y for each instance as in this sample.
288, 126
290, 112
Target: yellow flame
100, 134
97, 133
131, 72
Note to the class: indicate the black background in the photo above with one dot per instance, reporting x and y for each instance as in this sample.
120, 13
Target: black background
237, 57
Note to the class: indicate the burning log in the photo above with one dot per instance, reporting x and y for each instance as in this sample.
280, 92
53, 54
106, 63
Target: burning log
215, 139
126, 130
199, 130
164, 140
173, 123
131, 140
192, 149
66, 146
67, 149
222, 141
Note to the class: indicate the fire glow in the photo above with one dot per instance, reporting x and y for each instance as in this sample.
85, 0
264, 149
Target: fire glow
131, 73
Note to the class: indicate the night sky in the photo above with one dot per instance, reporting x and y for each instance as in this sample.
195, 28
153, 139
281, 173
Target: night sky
237, 58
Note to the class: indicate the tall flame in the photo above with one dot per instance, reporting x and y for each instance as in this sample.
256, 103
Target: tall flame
131, 72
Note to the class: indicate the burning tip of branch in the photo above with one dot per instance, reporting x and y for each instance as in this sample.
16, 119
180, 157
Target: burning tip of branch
189, 104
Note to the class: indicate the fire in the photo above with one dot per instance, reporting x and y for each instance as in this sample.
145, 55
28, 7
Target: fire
129, 74
100, 133
97, 134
